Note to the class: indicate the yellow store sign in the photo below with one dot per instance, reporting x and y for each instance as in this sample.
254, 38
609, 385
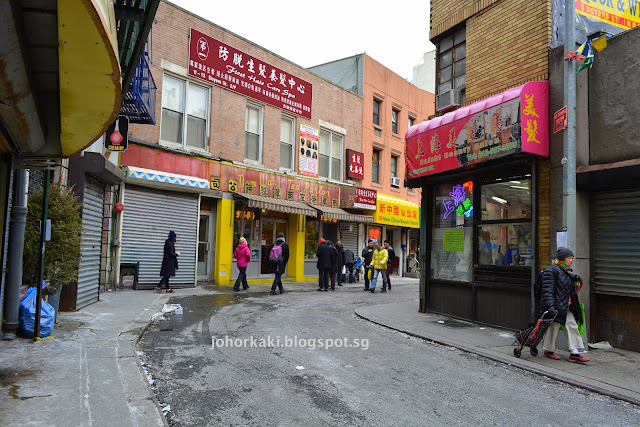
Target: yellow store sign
398, 212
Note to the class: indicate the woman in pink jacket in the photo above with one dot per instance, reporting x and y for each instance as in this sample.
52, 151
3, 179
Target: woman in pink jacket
243, 255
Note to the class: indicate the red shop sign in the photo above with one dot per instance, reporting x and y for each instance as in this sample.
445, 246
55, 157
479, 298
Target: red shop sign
230, 68
356, 165
365, 198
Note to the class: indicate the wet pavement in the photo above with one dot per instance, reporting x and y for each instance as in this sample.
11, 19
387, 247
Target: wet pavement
398, 380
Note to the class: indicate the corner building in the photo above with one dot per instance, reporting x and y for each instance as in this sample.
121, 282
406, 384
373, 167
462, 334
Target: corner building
247, 144
482, 163
391, 105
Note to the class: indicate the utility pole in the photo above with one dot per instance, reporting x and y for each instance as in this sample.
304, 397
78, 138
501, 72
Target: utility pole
569, 152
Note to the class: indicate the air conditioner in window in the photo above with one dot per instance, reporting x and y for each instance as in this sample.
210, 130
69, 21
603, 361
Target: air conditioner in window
448, 100
395, 181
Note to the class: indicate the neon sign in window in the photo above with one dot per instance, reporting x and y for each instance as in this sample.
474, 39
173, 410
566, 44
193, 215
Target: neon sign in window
459, 202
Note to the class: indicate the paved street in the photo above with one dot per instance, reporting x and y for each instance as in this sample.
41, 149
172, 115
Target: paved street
397, 380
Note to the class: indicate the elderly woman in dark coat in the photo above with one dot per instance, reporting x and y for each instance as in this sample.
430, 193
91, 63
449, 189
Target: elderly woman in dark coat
169, 262
560, 297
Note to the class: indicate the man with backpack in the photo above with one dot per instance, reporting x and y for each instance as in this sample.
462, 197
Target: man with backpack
392, 259
278, 258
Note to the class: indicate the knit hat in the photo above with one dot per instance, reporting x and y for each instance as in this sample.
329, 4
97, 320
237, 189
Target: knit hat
322, 241
280, 235
243, 240
172, 234
563, 253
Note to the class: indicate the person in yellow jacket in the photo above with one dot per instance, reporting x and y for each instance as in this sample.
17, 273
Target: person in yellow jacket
379, 264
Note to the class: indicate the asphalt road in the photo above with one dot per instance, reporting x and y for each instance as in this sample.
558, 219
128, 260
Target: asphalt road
388, 379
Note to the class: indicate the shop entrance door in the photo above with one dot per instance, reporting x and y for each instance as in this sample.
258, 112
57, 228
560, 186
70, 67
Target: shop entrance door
270, 230
205, 243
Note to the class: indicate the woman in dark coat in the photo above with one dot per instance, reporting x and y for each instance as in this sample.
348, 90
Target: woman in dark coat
334, 264
324, 264
559, 297
169, 262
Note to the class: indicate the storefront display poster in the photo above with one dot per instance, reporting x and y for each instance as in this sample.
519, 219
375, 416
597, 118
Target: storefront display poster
453, 240
308, 150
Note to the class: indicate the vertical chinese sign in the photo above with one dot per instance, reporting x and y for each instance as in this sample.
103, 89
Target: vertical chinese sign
222, 65
355, 166
308, 150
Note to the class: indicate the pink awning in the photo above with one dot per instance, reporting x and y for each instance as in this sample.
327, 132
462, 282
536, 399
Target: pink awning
513, 121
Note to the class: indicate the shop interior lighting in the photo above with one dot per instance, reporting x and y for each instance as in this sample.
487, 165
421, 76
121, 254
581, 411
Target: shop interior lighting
519, 186
498, 199
515, 182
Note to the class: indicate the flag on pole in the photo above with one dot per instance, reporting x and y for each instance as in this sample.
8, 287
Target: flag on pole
600, 43
587, 51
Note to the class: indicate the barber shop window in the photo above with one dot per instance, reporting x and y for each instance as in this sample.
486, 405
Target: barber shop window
452, 249
505, 229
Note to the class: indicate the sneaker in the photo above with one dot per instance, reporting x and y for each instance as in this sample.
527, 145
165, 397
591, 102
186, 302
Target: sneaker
577, 358
383, 291
159, 290
170, 291
273, 293
366, 289
281, 291
244, 288
236, 289
551, 355
372, 290
326, 289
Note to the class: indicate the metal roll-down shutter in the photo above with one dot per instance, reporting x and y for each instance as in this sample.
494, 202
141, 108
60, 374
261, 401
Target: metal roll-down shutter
90, 244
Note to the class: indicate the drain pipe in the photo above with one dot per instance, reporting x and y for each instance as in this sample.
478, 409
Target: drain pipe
14, 254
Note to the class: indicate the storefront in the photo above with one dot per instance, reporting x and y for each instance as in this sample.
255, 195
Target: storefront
156, 202
477, 168
392, 219
260, 219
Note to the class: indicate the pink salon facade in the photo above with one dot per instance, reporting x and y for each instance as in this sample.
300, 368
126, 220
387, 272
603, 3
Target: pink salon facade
478, 171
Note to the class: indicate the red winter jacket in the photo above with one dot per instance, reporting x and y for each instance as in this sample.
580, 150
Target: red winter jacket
242, 254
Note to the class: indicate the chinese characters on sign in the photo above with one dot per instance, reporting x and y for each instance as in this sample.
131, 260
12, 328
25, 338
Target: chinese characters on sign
365, 198
355, 166
396, 212
511, 122
308, 150
227, 67
459, 202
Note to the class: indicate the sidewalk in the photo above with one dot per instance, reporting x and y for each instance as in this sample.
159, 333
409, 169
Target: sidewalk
611, 372
88, 374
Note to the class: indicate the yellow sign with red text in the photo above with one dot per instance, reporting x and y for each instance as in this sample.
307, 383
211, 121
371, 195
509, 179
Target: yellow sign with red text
398, 212
622, 14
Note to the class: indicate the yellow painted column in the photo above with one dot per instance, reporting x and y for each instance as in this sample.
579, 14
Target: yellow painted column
224, 242
295, 267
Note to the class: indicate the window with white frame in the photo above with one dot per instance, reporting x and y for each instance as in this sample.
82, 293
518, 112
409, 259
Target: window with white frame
253, 133
287, 126
394, 121
375, 167
185, 113
412, 121
330, 155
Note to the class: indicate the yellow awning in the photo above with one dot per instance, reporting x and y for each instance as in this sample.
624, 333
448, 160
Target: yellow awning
394, 211
90, 86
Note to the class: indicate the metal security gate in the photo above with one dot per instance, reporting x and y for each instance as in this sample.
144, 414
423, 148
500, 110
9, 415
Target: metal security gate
349, 236
616, 248
149, 215
90, 244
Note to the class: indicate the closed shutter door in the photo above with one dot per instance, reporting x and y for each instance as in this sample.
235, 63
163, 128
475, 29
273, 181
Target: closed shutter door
90, 244
149, 215
350, 238
616, 248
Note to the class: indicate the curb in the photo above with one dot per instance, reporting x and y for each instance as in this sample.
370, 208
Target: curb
510, 362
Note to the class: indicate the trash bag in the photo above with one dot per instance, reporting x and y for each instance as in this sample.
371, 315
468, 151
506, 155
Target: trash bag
28, 315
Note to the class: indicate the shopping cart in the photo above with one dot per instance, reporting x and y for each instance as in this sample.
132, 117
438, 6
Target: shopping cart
531, 336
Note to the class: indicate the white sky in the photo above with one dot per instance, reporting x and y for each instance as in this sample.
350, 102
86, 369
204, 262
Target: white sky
308, 33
